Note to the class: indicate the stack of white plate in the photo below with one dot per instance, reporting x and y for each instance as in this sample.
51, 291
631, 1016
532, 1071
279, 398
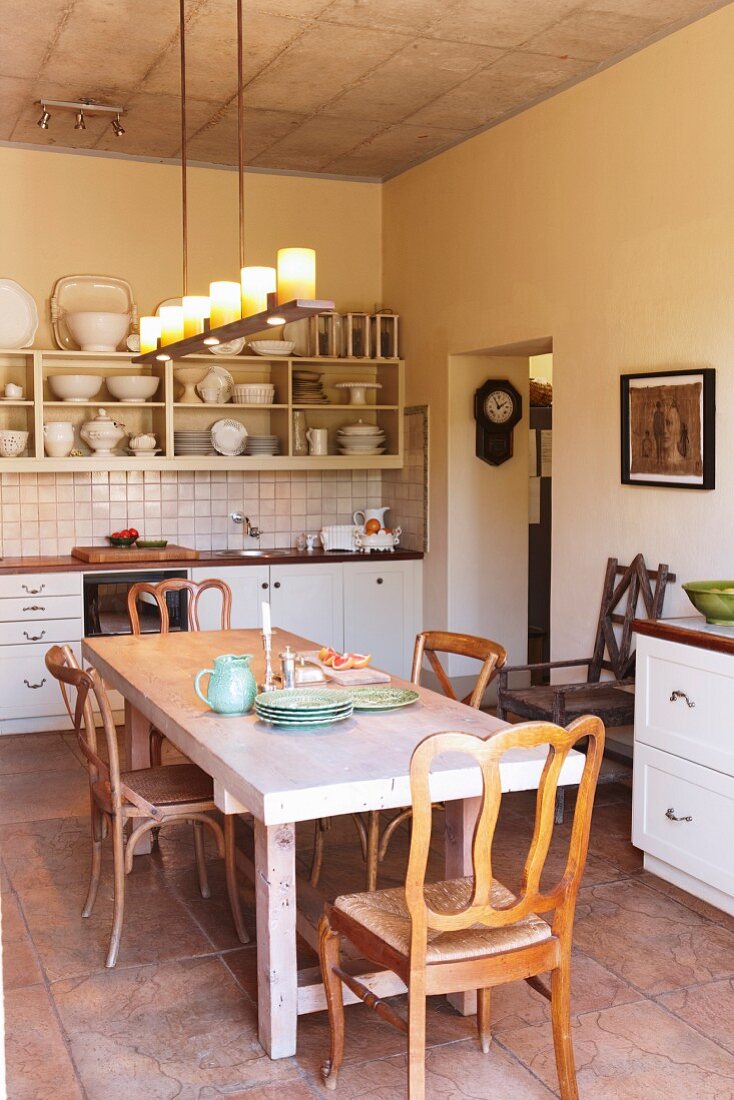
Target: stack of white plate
307, 388
191, 442
262, 445
360, 439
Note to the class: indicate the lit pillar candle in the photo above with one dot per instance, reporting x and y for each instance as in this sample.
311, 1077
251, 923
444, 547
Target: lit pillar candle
150, 332
195, 313
225, 303
257, 283
267, 628
296, 274
171, 324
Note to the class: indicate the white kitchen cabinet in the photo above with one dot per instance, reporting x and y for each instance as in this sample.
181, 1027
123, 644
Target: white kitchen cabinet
382, 611
683, 784
250, 586
309, 600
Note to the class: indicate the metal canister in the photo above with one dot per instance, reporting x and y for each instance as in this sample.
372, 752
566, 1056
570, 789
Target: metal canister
288, 667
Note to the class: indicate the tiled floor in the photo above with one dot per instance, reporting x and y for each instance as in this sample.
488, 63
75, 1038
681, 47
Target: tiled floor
653, 978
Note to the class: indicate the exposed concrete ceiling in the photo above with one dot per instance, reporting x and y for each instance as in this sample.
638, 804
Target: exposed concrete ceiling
348, 87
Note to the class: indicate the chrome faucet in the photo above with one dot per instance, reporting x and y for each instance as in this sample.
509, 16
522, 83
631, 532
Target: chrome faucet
240, 517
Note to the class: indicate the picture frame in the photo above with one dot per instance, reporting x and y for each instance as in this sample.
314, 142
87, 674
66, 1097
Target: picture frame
668, 428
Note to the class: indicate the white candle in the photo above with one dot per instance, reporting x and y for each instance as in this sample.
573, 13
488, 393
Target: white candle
267, 629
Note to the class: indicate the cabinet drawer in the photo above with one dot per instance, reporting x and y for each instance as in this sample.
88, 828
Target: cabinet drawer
48, 632
40, 584
32, 608
685, 704
29, 689
664, 785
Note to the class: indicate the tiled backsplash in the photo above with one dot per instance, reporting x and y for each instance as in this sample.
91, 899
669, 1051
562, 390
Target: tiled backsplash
50, 513
406, 490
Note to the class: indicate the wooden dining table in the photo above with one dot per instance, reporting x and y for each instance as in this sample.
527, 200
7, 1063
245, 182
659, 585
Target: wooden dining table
285, 776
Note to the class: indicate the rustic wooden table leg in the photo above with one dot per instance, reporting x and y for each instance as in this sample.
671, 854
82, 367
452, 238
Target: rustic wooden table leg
137, 755
275, 892
461, 817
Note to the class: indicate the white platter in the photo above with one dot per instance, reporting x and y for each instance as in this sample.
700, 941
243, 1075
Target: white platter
222, 378
229, 437
88, 293
18, 315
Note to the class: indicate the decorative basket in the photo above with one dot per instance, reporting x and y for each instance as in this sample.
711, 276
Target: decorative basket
386, 541
339, 536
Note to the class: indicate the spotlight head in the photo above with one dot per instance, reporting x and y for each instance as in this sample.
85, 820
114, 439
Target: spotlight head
80, 124
44, 119
117, 128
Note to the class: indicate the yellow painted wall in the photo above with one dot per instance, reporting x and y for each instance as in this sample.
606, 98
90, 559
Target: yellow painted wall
603, 218
62, 214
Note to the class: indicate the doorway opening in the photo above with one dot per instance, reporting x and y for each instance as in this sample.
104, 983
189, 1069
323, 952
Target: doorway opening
540, 516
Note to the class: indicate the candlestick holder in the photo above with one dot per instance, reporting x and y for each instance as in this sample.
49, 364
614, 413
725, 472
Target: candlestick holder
269, 680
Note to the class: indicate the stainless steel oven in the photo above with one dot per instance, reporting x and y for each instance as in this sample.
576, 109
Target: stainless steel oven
105, 603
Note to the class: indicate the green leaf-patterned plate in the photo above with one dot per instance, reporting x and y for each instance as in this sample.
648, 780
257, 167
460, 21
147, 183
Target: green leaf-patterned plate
303, 701
382, 698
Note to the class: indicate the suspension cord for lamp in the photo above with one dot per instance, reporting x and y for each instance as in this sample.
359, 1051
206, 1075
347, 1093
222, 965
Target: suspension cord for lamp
184, 194
240, 132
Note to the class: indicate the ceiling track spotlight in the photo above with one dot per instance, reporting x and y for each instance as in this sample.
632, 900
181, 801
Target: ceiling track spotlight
80, 124
44, 119
82, 109
117, 128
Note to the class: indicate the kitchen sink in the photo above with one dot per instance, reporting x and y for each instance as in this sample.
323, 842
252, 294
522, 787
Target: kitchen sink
252, 553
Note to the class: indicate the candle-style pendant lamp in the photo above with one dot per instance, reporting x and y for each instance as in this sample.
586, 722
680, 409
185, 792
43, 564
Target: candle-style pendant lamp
262, 297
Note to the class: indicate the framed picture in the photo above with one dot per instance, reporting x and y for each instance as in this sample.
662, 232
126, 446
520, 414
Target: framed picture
668, 429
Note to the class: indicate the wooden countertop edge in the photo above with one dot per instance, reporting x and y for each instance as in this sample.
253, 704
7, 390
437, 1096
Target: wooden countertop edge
668, 632
67, 564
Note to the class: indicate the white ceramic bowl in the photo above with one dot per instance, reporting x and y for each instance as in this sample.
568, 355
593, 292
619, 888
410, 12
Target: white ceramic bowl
132, 387
97, 331
272, 347
253, 393
12, 443
75, 387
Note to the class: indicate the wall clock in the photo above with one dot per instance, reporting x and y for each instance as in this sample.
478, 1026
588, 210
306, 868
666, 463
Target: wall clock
497, 409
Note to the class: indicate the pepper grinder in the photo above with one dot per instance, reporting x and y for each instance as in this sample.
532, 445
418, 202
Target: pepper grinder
288, 667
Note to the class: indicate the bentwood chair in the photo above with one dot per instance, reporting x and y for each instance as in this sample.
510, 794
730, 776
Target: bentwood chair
147, 798
157, 594
470, 933
428, 645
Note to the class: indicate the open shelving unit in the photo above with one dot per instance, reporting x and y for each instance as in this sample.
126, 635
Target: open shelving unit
164, 413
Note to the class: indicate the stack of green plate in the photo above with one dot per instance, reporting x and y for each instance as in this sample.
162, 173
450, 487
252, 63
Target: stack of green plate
299, 708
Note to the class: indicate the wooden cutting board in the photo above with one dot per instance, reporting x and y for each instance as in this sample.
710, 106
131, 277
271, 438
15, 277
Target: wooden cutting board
350, 677
100, 555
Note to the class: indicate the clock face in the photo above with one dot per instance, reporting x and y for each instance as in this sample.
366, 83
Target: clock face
498, 406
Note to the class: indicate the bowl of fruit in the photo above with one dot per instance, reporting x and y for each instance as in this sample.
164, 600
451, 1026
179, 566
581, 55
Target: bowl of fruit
714, 599
124, 539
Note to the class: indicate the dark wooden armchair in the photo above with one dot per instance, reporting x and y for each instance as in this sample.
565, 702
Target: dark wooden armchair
611, 699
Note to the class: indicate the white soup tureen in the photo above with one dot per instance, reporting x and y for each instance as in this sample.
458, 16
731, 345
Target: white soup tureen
102, 433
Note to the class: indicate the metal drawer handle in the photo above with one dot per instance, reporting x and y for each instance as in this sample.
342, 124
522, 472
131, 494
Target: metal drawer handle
671, 815
34, 607
32, 591
34, 637
34, 686
681, 695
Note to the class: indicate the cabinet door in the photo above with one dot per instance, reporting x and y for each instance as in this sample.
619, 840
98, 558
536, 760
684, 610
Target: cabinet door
249, 584
380, 613
308, 600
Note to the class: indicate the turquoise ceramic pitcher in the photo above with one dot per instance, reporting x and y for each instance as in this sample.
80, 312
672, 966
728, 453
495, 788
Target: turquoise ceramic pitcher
232, 686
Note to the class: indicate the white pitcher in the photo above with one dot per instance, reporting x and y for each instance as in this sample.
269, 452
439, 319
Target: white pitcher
58, 438
317, 441
370, 513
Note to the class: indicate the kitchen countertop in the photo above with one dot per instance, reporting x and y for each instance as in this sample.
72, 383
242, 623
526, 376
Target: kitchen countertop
66, 564
690, 630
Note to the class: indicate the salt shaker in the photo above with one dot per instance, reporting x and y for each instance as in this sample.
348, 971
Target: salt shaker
288, 667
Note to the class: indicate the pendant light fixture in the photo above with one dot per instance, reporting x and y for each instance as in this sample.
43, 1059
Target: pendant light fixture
262, 297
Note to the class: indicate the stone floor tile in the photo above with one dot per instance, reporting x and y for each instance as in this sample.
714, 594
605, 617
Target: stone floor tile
709, 1008
213, 914
689, 900
632, 1052
651, 940
178, 1029
26, 797
20, 963
156, 927
293, 1090
37, 854
40, 753
37, 1062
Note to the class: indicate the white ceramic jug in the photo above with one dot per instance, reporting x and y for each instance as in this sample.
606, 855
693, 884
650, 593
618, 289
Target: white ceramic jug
317, 441
58, 438
370, 513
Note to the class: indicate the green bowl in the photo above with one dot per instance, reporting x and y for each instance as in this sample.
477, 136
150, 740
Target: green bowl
711, 600
124, 543
152, 544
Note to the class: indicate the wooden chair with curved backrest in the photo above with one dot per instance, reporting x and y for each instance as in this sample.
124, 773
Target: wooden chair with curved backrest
428, 644
158, 592
147, 798
470, 933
